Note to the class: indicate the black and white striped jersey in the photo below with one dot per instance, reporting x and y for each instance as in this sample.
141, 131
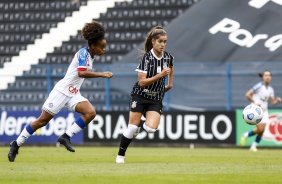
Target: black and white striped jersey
152, 65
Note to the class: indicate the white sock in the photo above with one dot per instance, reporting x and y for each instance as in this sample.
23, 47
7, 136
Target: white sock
254, 145
246, 134
74, 129
131, 129
148, 129
23, 137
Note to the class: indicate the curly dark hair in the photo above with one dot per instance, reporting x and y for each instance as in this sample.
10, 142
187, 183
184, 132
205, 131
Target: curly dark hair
154, 33
93, 32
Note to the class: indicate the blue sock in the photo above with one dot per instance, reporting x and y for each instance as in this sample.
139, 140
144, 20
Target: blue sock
29, 129
80, 123
258, 139
251, 133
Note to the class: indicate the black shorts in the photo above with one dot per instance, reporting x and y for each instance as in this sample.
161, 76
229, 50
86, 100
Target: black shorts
141, 104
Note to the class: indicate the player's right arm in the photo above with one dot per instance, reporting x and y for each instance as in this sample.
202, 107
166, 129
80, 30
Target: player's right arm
144, 81
142, 70
82, 71
90, 74
252, 91
249, 95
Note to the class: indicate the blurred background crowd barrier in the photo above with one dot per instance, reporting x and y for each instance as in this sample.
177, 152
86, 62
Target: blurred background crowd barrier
197, 86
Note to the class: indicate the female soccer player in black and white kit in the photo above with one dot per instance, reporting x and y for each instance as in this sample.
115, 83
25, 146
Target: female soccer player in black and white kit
66, 91
148, 92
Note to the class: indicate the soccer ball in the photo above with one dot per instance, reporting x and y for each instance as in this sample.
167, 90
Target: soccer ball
252, 114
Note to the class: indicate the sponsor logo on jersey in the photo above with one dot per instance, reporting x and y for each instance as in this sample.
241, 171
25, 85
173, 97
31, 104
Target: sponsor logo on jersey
150, 93
165, 65
83, 54
73, 89
146, 64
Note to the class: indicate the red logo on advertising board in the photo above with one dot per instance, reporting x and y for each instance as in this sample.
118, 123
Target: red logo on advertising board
275, 126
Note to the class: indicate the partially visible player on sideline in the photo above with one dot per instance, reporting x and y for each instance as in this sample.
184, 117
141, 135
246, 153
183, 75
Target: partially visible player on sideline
66, 91
148, 92
259, 95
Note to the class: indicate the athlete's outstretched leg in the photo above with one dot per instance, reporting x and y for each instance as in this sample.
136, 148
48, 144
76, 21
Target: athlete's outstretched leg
43, 120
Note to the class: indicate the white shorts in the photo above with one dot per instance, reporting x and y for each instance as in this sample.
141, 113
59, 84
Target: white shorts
265, 118
57, 100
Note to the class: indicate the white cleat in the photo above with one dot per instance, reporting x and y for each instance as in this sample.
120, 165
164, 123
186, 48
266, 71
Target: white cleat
243, 141
253, 149
120, 159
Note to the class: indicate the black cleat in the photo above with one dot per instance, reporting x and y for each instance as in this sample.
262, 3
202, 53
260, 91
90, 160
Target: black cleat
14, 150
66, 142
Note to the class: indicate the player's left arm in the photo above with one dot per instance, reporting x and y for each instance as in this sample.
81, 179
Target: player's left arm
275, 100
170, 79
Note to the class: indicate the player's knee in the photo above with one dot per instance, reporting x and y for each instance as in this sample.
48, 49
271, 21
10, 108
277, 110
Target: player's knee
260, 129
93, 114
90, 115
131, 129
149, 129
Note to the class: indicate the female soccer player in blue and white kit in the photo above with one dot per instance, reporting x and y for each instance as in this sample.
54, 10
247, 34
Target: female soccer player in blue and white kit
66, 91
259, 95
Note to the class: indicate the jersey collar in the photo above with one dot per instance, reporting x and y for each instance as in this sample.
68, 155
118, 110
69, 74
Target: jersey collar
158, 58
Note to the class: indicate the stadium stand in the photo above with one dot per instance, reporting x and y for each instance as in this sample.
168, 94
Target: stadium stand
23, 22
127, 24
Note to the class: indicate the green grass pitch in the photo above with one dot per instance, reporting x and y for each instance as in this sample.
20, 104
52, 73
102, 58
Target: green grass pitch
143, 165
